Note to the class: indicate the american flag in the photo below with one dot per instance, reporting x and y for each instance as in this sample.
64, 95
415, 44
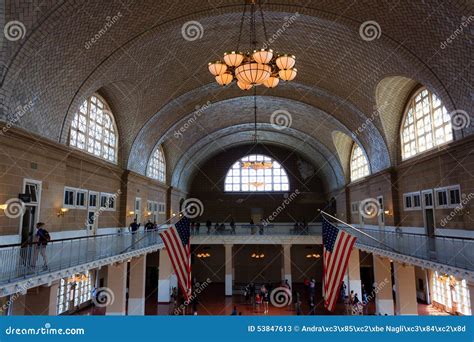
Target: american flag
337, 247
177, 242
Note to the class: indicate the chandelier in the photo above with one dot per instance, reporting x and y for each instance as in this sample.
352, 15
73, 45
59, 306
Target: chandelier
257, 165
254, 67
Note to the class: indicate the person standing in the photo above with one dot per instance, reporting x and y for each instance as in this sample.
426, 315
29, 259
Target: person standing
232, 226
42, 238
198, 225
208, 225
133, 228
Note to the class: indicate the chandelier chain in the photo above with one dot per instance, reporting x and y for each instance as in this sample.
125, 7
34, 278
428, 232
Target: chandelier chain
241, 26
263, 20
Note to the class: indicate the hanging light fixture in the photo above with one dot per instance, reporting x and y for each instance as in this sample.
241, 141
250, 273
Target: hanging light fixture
260, 66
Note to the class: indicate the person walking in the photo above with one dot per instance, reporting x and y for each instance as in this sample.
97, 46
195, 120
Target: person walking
42, 238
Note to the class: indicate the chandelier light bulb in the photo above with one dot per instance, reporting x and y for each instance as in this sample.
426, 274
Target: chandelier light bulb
271, 82
288, 74
233, 58
224, 79
262, 56
244, 85
285, 61
217, 68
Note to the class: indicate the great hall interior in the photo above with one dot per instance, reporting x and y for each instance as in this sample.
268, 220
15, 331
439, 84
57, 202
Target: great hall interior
257, 120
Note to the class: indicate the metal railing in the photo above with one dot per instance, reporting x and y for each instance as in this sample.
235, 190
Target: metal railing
452, 251
259, 229
19, 262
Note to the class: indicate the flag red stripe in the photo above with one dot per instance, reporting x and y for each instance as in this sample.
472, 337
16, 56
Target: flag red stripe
169, 246
342, 270
181, 264
336, 258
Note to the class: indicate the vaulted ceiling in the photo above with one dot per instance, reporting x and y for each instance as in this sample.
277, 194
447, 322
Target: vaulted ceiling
134, 54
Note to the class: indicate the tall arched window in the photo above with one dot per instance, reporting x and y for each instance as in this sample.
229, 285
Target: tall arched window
256, 172
359, 163
426, 124
93, 129
157, 165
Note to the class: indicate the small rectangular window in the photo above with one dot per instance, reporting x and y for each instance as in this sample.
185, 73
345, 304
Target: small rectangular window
92, 199
454, 197
441, 198
81, 198
69, 197
32, 190
408, 202
416, 201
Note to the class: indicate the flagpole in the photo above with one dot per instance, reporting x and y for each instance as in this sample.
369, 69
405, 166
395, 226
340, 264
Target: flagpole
358, 230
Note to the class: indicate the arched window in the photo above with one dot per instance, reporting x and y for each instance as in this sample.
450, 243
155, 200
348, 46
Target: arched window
93, 129
157, 165
426, 124
359, 163
255, 173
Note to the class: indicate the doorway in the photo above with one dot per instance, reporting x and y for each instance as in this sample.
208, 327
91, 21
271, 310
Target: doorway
429, 220
138, 209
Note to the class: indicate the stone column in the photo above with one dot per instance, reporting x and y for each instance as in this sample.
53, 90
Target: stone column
136, 295
383, 290
164, 277
353, 272
286, 264
228, 270
117, 284
405, 289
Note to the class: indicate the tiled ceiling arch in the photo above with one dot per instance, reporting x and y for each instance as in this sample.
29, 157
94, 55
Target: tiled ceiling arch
144, 68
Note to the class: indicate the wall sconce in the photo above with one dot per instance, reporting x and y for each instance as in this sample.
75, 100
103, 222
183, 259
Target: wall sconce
174, 215
148, 213
131, 213
62, 212
3, 206
387, 212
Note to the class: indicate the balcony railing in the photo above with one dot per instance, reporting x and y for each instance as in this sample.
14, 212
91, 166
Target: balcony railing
19, 262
